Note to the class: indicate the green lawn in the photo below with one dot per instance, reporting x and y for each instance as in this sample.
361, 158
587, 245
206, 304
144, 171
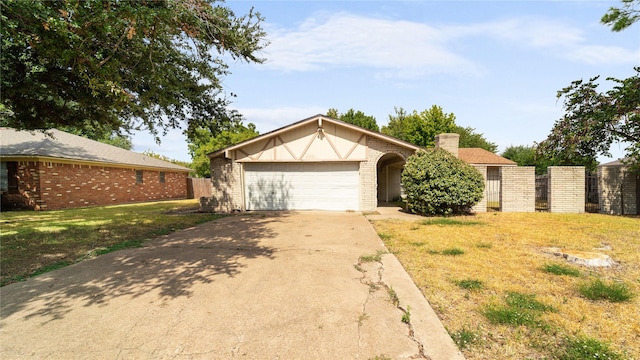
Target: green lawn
36, 242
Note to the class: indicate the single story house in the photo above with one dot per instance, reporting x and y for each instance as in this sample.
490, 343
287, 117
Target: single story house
58, 170
318, 163
618, 189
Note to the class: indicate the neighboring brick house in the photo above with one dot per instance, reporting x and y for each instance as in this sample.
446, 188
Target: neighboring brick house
61, 170
318, 163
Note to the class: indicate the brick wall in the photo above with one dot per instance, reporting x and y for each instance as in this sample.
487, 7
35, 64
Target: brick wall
481, 206
226, 187
518, 189
618, 190
566, 189
51, 186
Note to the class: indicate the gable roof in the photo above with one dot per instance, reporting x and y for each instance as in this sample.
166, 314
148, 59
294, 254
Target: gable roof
478, 156
62, 145
316, 118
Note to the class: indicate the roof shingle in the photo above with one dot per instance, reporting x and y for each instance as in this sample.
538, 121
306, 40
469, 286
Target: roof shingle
478, 156
72, 147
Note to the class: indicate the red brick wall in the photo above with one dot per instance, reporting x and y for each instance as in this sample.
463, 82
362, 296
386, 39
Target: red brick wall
50, 186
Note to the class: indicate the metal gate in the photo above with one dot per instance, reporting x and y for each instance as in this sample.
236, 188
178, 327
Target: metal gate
493, 189
591, 193
542, 192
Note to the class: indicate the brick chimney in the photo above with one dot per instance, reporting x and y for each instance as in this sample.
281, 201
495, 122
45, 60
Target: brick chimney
448, 142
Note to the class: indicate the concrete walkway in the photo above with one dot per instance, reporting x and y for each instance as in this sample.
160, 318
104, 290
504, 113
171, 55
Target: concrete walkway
254, 286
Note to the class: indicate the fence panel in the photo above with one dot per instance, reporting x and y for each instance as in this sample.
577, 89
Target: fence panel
542, 192
198, 187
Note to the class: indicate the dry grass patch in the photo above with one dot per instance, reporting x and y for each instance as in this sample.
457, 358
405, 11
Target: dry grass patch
504, 253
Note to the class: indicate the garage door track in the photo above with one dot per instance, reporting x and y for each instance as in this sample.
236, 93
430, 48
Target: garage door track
253, 286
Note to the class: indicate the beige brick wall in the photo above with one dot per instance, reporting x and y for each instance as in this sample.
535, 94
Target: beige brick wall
566, 189
481, 206
518, 189
226, 187
617, 190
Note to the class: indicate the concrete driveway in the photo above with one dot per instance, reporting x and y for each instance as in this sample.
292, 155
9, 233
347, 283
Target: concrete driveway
253, 286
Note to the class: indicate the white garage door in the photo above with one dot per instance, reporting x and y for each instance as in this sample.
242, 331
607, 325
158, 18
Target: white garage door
302, 186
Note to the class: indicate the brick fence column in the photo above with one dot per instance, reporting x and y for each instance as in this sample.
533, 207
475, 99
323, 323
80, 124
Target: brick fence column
518, 189
566, 189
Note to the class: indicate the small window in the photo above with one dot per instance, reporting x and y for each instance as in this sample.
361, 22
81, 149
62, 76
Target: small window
138, 176
162, 177
9, 177
4, 177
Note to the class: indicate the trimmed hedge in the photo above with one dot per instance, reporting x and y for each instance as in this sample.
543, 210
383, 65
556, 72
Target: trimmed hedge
438, 183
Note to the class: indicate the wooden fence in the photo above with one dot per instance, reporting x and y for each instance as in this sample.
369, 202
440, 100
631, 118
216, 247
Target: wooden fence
198, 187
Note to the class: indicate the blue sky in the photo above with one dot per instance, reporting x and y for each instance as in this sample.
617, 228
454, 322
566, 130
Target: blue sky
496, 65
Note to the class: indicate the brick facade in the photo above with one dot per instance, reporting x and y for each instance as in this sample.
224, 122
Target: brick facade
566, 189
52, 186
226, 187
618, 190
518, 189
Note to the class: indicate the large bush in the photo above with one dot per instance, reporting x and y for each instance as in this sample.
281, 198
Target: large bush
437, 183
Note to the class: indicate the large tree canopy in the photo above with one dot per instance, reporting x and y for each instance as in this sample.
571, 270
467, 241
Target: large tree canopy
420, 128
594, 120
356, 118
204, 142
125, 65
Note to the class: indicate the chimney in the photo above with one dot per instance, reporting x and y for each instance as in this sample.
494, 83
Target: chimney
448, 142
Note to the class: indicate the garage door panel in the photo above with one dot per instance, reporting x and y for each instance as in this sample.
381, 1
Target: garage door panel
307, 186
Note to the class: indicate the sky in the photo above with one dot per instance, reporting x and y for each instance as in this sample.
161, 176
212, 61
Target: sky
496, 65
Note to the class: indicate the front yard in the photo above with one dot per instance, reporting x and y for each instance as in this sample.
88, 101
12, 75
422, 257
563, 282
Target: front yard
502, 296
37, 242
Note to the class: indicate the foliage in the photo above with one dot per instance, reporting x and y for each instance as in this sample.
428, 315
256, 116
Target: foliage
204, 142
560, 269
465, 338
121, 65
167, 159
471, 139
438, 183
579, 348
357, 118
469, 284
420, 128
528, 156
599, 290
621, 18
37, 242
594, 120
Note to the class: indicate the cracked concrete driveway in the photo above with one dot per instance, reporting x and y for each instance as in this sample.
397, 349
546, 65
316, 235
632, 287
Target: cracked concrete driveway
254, 286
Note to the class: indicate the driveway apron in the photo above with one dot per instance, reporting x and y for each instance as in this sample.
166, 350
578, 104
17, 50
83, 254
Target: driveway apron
254, 286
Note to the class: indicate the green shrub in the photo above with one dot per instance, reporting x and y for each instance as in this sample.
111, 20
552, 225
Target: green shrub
599, 290
438, 183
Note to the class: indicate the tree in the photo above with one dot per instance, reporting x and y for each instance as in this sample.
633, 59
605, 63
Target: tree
621, 18
356, 118
205, 142
594, 120
420, 128
438, 183
168, 159
125, 65
471, 139
528, 156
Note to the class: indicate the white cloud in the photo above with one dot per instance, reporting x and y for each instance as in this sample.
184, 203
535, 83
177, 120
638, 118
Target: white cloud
350, 40
403, 48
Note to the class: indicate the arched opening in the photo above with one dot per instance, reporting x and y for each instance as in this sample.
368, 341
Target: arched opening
389, 169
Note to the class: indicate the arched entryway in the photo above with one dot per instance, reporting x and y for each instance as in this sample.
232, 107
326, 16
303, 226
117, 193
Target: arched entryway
389, 169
